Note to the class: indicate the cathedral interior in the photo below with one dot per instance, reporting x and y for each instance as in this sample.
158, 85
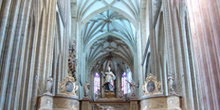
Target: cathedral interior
109, 54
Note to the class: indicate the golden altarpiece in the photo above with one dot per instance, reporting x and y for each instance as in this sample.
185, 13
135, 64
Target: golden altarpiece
152, 98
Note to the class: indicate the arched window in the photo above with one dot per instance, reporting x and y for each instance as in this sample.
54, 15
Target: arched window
124, 83
96, 82
129, 78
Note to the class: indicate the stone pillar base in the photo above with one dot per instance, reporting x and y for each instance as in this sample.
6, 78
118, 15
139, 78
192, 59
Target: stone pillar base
134, 104
171, 102
65, 103
109, 94
45, 102
85, 104
49, 102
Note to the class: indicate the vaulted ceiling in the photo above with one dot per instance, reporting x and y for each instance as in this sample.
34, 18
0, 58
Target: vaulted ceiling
86, 9
109, 28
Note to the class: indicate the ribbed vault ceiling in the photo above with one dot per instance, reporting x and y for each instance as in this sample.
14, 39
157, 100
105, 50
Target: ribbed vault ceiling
89, 8
110, 29
110, 47
109, 23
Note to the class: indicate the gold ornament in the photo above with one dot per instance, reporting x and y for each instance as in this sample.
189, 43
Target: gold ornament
151, 85
68, 86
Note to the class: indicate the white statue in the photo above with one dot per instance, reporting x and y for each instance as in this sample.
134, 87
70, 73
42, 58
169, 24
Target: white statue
86, 89
170, 85
49, 84
109, 77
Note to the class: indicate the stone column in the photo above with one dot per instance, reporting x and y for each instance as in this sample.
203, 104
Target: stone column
46, 13
5, 7
178, 62
160, 38
205, 28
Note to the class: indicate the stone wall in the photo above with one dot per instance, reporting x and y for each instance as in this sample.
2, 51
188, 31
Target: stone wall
28, 30
189, 49
205, 29
171, 48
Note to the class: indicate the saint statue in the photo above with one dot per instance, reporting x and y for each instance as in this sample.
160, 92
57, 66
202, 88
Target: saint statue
109, 77
86, 89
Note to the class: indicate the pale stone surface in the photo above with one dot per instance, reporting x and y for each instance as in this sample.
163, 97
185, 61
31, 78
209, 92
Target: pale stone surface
204, 16
110, 107
62, 103
49, 102
45, 102
85, 105
161, 103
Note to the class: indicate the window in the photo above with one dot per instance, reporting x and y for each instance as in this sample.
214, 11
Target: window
96, 82
112, 83
124, 83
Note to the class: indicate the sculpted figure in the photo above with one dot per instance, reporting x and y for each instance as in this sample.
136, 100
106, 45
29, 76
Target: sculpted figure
86, 89
170, 85
133, 87
49, 84
109, 77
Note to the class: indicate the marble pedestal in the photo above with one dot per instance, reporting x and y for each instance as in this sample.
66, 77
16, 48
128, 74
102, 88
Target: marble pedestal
45, 102
65, 103
59, 102
171, 102
110, 104
85, 104
109, 94
134, 103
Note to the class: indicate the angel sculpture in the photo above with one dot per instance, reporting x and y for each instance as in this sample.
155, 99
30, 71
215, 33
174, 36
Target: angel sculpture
86, 89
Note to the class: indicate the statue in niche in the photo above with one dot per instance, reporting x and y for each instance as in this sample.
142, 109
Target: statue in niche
49, 85
86, 89
133, 87
109, 77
